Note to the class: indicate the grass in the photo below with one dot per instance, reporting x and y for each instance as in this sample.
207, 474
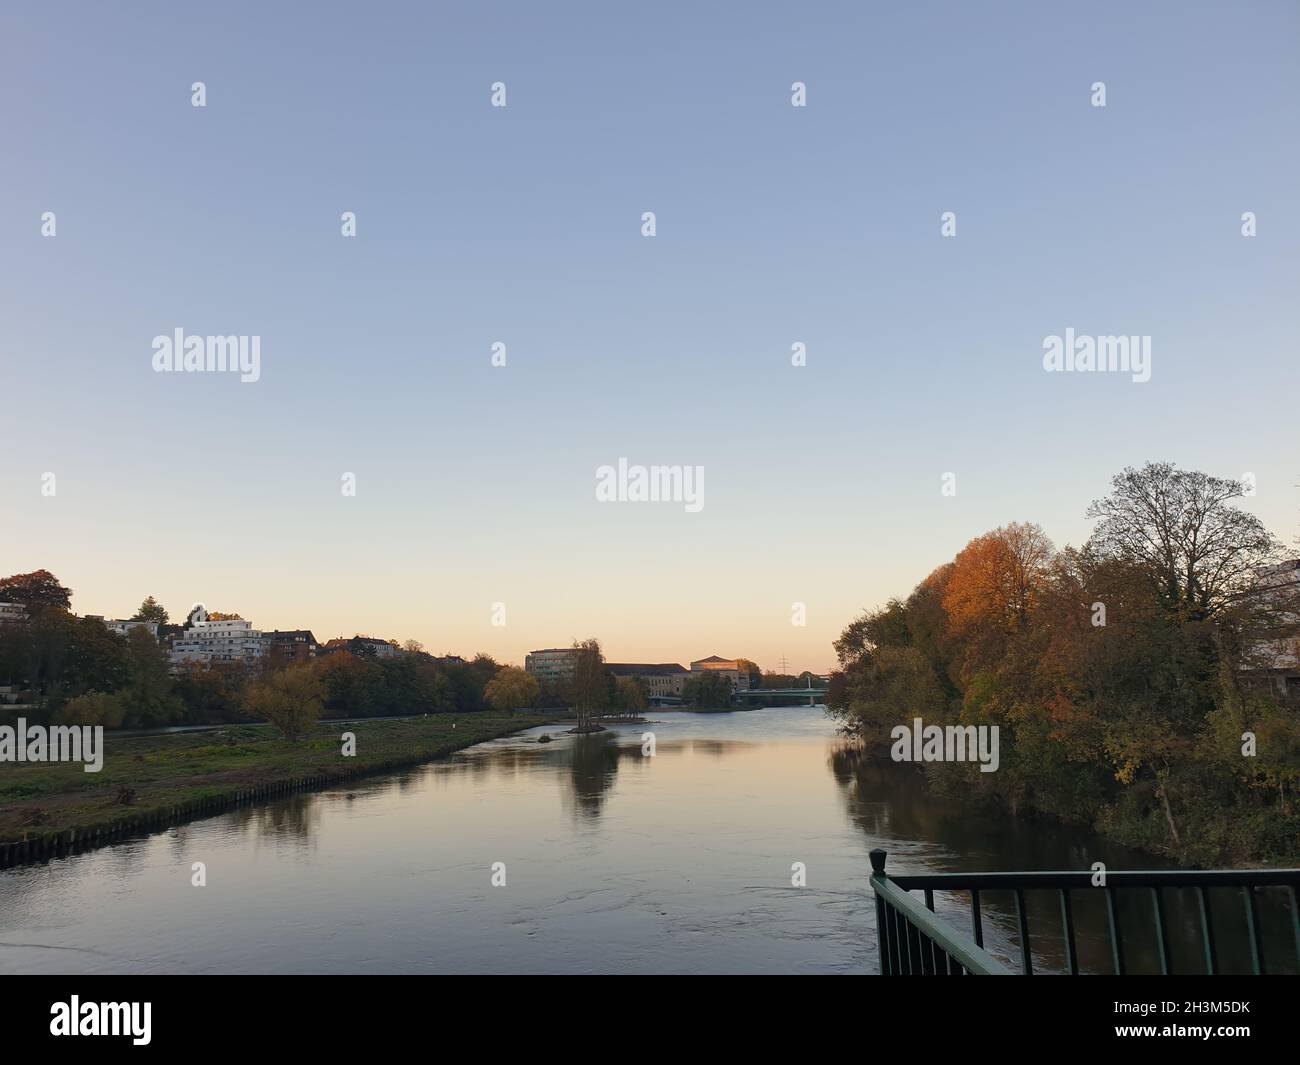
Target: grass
181, 771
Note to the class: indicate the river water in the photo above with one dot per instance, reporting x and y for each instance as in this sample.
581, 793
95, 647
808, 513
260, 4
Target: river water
613, 862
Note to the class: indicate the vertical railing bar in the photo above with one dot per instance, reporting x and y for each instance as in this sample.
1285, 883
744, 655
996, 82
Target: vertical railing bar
882, 941
1256, 938
929, 899
1207, 931
1067, 926
1116, 947
977, 925
1022, 919
895, 947
1295, 922
1162, 931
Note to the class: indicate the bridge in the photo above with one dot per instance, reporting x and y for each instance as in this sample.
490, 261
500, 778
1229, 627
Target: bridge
813, 695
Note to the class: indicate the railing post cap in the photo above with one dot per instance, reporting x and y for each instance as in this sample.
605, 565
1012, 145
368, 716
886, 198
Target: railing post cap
878, 861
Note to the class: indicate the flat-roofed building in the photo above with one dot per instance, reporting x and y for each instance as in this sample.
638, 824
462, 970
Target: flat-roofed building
554, 664
12, 613
660, 679
217, 642
123, 628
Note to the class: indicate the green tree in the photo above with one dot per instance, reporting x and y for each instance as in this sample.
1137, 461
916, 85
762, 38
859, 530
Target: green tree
150, 696
630, 695
93, 708
588, 685
292, 700
512, 689
708, 689
151, 610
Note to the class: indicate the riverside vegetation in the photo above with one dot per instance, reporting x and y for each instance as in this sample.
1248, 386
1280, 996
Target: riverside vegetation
1134, 680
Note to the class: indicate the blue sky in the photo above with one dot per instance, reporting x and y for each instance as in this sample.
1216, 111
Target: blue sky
475, 484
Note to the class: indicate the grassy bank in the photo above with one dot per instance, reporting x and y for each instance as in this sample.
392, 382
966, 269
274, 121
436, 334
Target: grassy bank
153, 780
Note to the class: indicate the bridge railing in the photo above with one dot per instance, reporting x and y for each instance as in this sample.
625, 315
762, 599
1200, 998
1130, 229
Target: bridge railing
913, 941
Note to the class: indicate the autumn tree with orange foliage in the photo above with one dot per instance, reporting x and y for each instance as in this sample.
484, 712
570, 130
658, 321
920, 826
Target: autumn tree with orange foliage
1126, 676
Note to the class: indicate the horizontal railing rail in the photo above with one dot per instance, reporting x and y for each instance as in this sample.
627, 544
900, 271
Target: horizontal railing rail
901, 919
913, 941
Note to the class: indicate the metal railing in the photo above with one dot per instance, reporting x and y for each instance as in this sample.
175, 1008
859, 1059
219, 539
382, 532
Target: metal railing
914, 941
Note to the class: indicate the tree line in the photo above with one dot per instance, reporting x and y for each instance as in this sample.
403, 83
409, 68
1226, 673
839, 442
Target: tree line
74, 670
1138, 682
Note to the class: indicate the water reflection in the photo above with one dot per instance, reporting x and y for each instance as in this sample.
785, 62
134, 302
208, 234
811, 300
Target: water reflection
616, 862
922, 832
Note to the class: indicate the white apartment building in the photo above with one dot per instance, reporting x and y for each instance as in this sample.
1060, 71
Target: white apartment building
222, 642
123, 628
12, 612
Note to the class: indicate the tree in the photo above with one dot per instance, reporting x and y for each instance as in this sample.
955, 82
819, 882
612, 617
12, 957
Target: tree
291, 700
630, 696
512, 689
709, 689
36, 591
413, 647
588, 685
93, 708
152, 610
216, 615
1198, 551
996, 577
150, 695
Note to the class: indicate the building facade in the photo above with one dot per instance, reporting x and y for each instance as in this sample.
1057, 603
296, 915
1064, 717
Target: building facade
553, 664
731, 668
12, 613
123, 628
367, 646
663, 679
290, 645
216, 642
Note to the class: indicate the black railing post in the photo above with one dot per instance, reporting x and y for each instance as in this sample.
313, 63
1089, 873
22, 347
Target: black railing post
882, 918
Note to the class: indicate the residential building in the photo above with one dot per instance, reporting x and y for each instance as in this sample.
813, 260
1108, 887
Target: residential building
219, 642
660, 679
290, 645
733, 669
12, 613
367, 646
123, 628
1275, 662
554, 664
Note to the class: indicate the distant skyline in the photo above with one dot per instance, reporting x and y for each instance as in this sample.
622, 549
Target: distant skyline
776, 225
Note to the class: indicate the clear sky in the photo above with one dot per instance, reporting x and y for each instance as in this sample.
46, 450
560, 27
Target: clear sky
475, 484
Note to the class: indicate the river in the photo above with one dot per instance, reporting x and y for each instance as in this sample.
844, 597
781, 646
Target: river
612, 861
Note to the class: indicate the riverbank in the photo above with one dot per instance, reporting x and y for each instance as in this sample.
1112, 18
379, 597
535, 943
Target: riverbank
150, 781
